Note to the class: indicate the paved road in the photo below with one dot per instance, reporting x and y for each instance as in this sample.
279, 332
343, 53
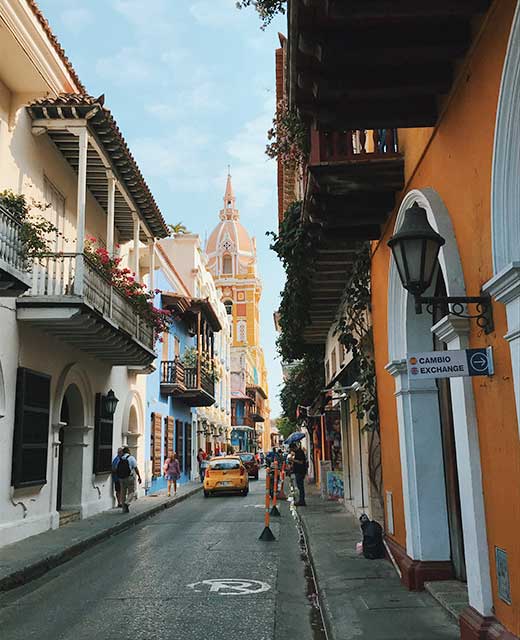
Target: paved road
137, 584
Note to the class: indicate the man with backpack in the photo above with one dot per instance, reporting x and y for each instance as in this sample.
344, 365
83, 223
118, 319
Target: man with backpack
126, 473
115, 479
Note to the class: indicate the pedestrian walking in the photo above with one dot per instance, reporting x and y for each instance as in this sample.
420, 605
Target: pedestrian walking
115, 479
172, 472
127, 472
201, 458
300, 471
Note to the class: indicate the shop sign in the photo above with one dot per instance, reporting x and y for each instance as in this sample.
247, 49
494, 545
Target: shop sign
450, 364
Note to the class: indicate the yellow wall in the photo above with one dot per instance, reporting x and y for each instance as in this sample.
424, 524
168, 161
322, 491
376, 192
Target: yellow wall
457, 163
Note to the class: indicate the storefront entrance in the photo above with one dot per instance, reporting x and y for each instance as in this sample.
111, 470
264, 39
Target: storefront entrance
70, 452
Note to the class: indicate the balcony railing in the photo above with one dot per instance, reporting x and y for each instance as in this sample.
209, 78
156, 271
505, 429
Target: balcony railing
14, 277
337, 146
72, 281
183, 382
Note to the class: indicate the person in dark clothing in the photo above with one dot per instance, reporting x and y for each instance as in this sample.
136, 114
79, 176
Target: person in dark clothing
300, 471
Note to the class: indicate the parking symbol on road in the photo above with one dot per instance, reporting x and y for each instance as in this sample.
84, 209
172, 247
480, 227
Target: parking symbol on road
230, 586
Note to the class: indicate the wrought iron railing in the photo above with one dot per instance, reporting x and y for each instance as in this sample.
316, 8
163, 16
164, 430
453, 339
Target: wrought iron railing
11, 246
173, 372
55, 275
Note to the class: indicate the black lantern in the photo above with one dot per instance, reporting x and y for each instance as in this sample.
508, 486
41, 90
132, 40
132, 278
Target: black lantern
111, 403
416, 248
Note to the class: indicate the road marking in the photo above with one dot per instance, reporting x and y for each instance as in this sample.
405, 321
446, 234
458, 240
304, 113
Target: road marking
253, 506
230, 586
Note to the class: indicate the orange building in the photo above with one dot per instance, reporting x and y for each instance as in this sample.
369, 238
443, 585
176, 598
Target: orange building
429, 113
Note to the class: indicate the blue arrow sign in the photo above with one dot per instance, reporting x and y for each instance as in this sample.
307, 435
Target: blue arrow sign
480, 362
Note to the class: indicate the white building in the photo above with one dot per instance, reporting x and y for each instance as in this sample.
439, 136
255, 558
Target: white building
212, 424
71, 336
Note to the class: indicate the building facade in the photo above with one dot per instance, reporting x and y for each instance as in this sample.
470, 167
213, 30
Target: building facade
449, 448
70, 335
232, 261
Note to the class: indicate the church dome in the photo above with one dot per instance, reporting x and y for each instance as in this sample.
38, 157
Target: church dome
230, 237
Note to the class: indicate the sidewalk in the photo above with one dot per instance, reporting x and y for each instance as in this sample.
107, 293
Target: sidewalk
30, 558
364, 599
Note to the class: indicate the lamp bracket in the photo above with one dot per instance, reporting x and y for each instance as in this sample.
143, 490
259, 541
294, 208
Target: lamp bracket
457, 307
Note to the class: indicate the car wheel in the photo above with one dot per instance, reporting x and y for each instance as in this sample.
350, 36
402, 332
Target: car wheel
245, 492
206, 493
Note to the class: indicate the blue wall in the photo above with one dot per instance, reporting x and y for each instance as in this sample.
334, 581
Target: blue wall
167, 406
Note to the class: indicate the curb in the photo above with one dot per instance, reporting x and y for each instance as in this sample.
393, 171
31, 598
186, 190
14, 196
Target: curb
322, 598
38, 569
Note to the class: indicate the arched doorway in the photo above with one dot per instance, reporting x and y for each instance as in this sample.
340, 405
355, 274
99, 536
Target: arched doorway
428, 416
70, 451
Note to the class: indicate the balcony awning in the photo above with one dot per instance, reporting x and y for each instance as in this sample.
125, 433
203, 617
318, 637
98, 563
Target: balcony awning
186, 306
355, 63
60, 117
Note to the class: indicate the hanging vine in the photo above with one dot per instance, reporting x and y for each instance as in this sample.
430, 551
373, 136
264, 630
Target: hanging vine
267, 9
355, 333
297, 249
288, 137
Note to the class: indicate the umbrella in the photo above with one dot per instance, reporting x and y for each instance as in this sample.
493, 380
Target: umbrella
295, 437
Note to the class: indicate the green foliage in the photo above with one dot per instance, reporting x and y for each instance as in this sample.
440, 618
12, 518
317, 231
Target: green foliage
267, 9
35, 229
289, 137
304, 382
178, 228
297, 249
355, 333
286, 426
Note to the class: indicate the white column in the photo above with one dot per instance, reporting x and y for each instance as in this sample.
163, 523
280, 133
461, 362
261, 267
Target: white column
137, 227
422, 466
151, 249
82, 134
455, 333
505, 288
111, 188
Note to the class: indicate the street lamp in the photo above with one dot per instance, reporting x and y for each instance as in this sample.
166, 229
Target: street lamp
111, 403
415, 248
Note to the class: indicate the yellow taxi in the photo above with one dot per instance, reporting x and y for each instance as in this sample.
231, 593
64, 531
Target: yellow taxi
226, 473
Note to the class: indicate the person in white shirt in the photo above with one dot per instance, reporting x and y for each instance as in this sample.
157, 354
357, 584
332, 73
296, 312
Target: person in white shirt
127, 471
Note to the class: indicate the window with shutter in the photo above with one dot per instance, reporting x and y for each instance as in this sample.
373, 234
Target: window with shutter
169, 435
156, 444
31, 428
103, 437
188, 448
179, 441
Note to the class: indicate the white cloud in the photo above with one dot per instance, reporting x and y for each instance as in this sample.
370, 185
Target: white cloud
215, 13
128, 65
76, 19
253, 172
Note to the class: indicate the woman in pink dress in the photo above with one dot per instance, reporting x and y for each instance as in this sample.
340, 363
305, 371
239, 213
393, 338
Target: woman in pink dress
172, 472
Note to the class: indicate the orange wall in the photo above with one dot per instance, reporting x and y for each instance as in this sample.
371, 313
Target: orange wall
457, 163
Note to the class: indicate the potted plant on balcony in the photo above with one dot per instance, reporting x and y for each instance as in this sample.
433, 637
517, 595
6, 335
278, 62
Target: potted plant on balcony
123, 279
288, 137
35, 231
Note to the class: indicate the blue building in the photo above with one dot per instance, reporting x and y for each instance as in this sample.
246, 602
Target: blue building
183, 377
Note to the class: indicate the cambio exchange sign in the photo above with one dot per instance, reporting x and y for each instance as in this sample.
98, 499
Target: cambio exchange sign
450, 364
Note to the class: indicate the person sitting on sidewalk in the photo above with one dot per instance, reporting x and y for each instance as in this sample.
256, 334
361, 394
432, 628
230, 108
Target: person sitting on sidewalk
300, 471
126, 473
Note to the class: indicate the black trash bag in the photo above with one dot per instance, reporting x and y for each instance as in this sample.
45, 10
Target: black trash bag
373, 546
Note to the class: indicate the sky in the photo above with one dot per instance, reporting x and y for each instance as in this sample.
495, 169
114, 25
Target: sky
191, 84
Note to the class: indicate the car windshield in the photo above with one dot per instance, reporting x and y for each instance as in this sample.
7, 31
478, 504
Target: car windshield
224, 465
246, 457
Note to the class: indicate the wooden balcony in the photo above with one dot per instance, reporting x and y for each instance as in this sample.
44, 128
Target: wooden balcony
193, 385
70, 299
351, 184
377, 63
14, 276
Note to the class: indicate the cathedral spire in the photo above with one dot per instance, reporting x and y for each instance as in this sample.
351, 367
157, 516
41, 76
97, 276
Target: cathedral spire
229, 212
